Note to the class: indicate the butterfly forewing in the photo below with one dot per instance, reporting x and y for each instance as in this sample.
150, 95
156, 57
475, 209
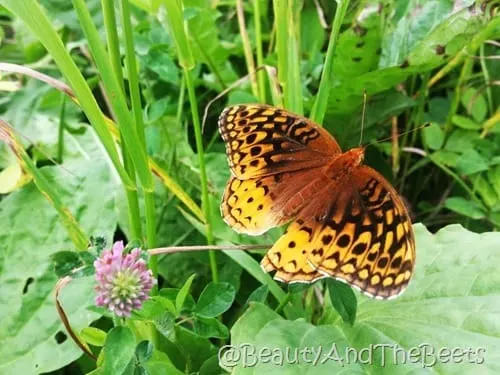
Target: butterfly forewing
262, 140
256, 205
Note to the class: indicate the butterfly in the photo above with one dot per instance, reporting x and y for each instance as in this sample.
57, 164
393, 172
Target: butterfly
346, 220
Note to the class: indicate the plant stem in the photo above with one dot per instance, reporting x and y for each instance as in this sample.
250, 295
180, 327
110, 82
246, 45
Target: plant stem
319, 108
60, 135
135, 96
108, 11
115, 95
295, 100
487, 78
177, 249
134, 216
455, 102
258, 48
247, 48
280, 8
203, 174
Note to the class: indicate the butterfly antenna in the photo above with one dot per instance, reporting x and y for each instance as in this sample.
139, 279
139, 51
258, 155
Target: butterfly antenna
403, 133
363, 118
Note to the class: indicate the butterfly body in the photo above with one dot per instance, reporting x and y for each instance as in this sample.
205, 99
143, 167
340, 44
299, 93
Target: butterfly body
343, 165
347, 221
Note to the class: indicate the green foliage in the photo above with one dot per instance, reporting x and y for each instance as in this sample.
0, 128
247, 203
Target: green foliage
118, 350
215, 299
343, 300
31, 233
417, 61
451, 303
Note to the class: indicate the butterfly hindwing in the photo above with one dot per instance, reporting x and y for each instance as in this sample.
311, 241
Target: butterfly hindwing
263, 140
363, 236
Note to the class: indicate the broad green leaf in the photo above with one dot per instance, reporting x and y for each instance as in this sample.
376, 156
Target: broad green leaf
160, 364
358, 48
461, 140
195, 349
167, 304
343, 300
438, 109
215, 299
415, 45
378, 109
450, 35
452, 302
249, 325
258, 295
144, 351
204, 33
422, 27
93, 336
165, 324
347, 95
74, 263
75, 231
151, 309
36, 20
471, 162
211, 367
118, 350
465, 207
210, 327
433, 136
181, 296
485, 190
475, 103
465, 122
159, 61
31, 231
447, 158
156, 110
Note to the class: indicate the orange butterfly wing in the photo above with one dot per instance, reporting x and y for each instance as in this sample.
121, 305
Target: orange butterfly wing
357, 231
263, 140
264, 145
354, 228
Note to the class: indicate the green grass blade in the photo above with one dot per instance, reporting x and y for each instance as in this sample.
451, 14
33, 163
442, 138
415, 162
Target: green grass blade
281, 23
247, 48
259, 50
176, 22
135, 96
320, 104
115, 95
134, 215
179, 33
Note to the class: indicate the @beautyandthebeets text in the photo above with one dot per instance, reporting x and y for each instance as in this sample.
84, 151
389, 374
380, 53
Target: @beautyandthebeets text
427, 355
